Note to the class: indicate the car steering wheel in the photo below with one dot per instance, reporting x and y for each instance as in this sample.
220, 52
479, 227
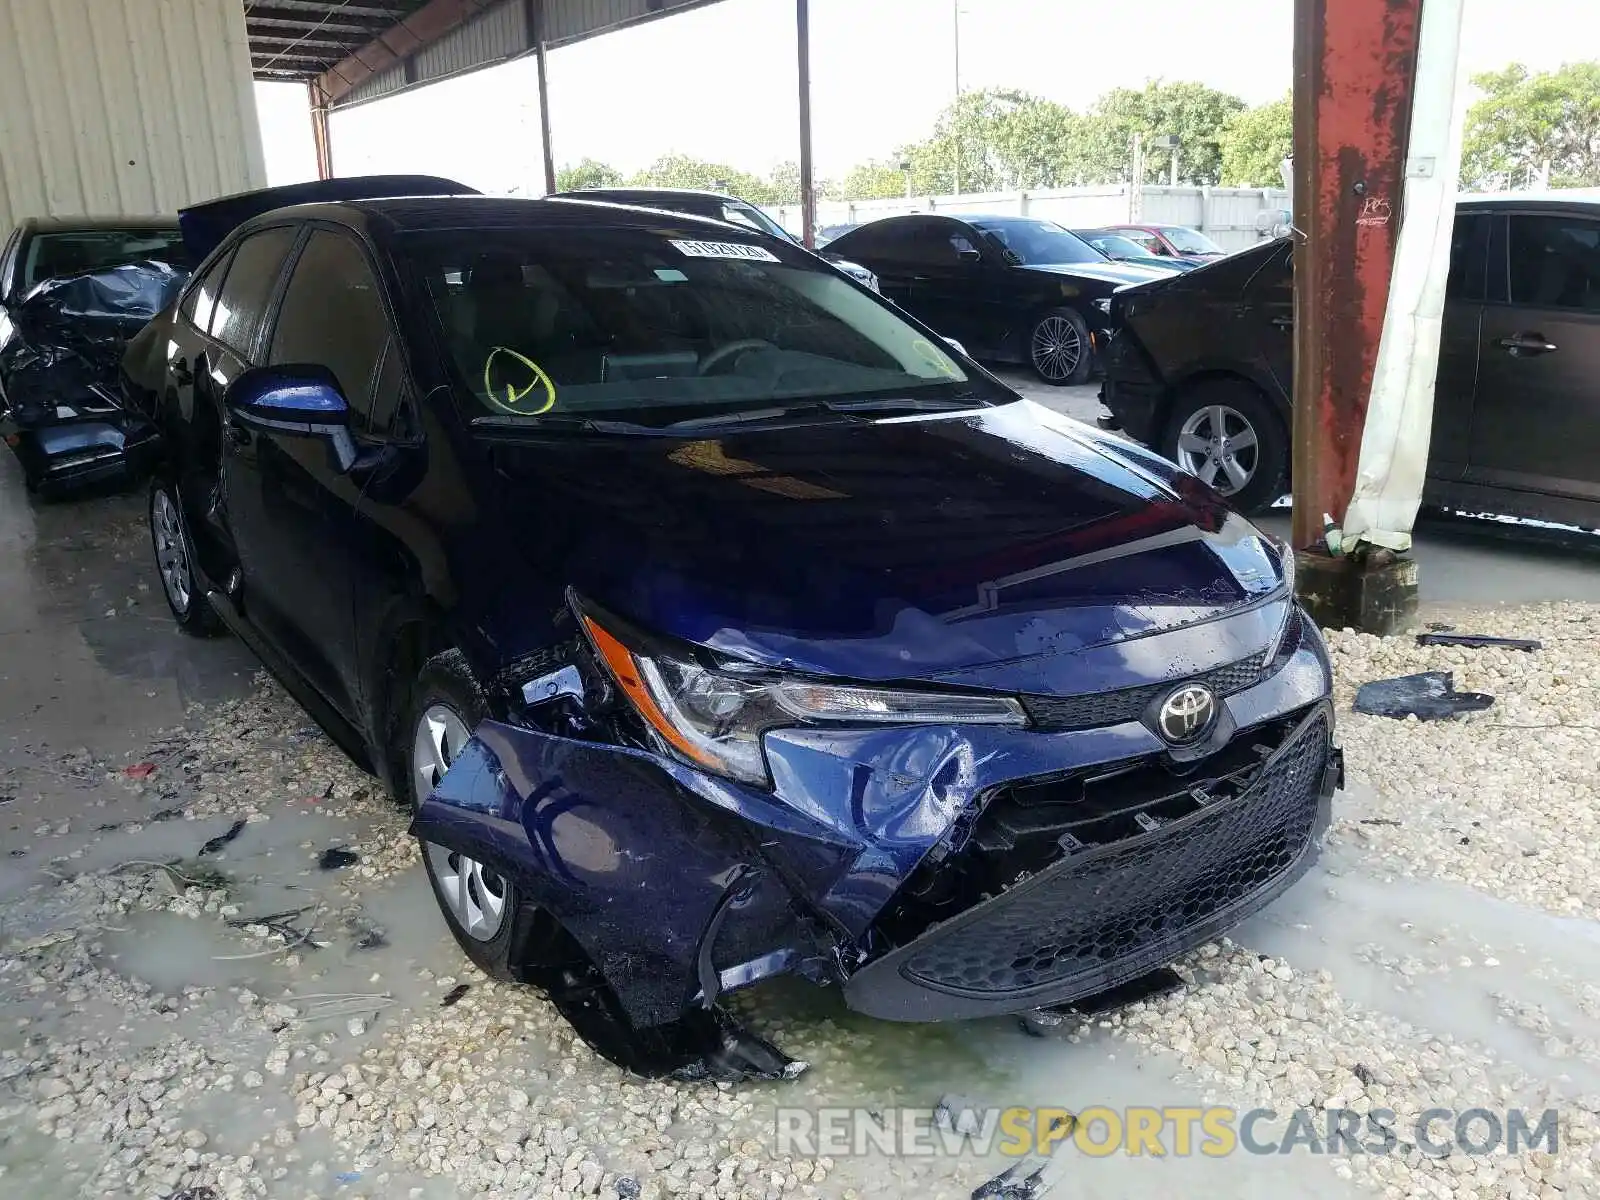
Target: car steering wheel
731, 350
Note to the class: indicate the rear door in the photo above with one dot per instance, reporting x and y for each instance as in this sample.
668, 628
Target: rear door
1536, 418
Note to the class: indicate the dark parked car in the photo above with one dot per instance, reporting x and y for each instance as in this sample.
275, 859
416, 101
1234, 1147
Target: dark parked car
717, 622
1119, 248
72, 292
1009, 289
719, 208
1204, 366
1179, 243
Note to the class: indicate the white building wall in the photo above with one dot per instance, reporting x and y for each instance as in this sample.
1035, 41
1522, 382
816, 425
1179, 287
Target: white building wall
123, 106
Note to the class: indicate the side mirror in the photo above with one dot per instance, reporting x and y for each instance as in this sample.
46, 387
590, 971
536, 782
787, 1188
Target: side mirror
298, 401
969, 257
289, 399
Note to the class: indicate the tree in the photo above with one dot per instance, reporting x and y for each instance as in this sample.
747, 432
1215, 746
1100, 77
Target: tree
681, 171
874, 180
1197, 114
1525, 121
1255, 143
587, 174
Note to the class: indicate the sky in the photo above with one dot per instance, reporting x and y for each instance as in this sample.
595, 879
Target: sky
719, 82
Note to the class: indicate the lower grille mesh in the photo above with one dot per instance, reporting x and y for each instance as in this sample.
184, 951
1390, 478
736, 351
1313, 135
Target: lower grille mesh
1133, 900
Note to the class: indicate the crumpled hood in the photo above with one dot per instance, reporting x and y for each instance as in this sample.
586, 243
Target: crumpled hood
892, 549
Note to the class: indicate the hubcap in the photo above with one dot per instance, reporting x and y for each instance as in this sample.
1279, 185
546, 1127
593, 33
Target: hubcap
473, 893
1219, 445
172, 556
1056, 348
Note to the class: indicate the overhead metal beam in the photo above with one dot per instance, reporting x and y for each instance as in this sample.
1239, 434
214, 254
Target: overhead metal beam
272, 18
322, 8
398, 43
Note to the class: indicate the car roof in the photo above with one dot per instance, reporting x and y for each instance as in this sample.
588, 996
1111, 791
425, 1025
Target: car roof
140, 224
1540, 201
416, 213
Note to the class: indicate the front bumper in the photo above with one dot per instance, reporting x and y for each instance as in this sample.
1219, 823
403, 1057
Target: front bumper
1132, 391
678, 883
1108, 913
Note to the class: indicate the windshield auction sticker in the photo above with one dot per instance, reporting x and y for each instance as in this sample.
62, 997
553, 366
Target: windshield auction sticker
725, 250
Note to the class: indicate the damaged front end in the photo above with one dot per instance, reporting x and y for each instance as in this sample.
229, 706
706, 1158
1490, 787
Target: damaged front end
933, 869
60, 407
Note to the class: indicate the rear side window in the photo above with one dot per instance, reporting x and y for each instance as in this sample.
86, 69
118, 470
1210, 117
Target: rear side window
201, 301
1469, 257
248, 287
333, 316
1555, 262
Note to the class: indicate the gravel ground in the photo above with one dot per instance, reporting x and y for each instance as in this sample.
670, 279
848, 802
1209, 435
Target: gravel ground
246, 1023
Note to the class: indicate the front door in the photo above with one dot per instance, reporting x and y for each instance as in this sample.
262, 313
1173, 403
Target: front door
301, 532
1536, 416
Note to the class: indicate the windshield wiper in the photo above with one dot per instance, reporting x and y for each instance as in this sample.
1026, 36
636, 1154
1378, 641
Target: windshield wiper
904, 404
566, 422
755, 416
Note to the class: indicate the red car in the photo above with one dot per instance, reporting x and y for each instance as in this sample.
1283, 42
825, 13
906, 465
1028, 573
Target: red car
1188, 246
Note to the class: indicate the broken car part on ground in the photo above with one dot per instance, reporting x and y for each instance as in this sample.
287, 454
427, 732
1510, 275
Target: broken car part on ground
826, 655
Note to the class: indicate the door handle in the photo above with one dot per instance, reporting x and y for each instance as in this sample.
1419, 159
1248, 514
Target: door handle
181, 374
1283, 322
1527, 343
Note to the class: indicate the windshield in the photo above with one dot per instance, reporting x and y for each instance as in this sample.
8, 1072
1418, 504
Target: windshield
1187, 241
751, 217
1037, 242
52, 255
635, 324
1114, 245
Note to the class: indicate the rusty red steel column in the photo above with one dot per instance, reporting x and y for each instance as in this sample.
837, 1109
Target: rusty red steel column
1355, 66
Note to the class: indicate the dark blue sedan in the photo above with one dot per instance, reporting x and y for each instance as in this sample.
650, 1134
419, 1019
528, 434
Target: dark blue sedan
717, 621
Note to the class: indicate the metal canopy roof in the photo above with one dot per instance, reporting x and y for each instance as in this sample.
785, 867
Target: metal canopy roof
299, 39
357, 50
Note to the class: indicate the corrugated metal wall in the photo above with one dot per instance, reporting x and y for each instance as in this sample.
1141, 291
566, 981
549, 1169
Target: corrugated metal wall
123, 106
502, 33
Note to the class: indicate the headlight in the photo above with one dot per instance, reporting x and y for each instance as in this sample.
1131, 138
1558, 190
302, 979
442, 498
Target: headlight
715, 719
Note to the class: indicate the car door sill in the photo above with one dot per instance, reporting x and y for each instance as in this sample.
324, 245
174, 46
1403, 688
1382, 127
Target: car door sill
345, 735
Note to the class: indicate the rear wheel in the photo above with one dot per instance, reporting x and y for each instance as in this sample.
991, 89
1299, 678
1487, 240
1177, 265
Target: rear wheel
1059, 349
1226, 433
174, 551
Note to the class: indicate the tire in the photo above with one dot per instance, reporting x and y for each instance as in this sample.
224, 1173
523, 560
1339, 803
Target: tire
1249, 473
1051, 342
484, 910
174, 554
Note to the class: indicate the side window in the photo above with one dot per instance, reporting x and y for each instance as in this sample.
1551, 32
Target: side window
201, 301
246, 290
1555, 262
333, 315
934, 243
1469, 257
886, 242
391, 411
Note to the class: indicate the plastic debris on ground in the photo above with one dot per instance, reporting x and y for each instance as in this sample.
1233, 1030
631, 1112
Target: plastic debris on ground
1429, 696
335, 858
1478, 641
222, 839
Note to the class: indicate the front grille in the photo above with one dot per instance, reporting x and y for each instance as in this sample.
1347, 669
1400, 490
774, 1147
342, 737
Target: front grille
1104, 914
1060, 713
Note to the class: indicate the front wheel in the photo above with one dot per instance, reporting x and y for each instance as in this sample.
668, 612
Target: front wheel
1059, 349
1226, 434
481, 906
174, 551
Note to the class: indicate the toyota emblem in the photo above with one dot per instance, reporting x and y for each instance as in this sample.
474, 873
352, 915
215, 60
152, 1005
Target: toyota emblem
1186, 713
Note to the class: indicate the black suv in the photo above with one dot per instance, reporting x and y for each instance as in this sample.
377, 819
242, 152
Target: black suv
1203, 366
